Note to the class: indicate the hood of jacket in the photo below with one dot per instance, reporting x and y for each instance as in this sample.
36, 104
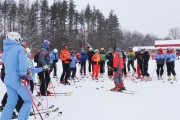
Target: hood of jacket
8, 44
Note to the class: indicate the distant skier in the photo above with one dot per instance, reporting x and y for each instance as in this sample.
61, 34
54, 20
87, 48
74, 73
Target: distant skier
83, 60
160, 59
14, 59
124, 61
131, 57
170, 57
90, 53
140, 69
109, 58
54, 59
102, 65
73, 64
96, 59
65, 57
145, 58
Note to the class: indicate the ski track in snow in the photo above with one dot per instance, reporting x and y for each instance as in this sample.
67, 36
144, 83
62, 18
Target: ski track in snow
91, 100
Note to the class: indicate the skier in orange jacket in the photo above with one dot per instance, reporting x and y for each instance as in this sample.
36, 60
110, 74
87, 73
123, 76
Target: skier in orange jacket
118, 65
96, 59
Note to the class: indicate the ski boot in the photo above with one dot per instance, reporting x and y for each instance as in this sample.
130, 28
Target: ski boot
169, 78
174, 77
113, 89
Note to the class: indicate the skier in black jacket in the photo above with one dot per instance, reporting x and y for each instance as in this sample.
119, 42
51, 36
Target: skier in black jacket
145, 58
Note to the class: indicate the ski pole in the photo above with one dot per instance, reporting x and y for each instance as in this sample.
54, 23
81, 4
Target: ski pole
53, 89
32, 100
34, 113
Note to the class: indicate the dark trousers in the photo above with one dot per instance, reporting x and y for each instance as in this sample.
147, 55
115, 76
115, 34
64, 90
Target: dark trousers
132, 65
160, 69
65, 73
145, 66
72, 72
44, 77
170, 68
124, 69
90, 66
102, 65
83, 67
55, 68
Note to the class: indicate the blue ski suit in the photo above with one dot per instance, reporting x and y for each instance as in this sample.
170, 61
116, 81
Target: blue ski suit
14, 58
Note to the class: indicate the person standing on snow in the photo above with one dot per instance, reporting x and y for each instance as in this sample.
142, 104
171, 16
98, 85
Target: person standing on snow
160, 59
170, 57
139, 58
65, 57
96, 59
90, 54
54, 60
131, 57
109, 58
102, 65
14, 58
118, 66
124, 61
145, 58
44, 61
73, 64
83, 60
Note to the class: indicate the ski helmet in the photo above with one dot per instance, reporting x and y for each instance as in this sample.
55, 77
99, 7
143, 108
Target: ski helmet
90, 49
46, 43
13, 36
55, 51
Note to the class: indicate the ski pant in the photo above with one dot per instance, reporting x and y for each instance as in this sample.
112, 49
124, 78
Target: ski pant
44, 77
124, 69
90, 65
66, 72
132, 65
102, 65
170, 68
110, 68
96, 68
118, 78
83, 67
145, 69
160, 69
73, 71
139, 69
12, 92
54, 66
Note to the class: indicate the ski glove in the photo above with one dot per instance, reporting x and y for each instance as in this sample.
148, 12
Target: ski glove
46, 67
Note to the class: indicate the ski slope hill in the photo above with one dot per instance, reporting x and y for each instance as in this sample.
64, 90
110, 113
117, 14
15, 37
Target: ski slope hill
91, 100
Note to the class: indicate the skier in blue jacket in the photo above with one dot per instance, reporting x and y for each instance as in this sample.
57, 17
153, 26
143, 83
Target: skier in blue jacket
83, 60
73, 64
14, 58
54, 59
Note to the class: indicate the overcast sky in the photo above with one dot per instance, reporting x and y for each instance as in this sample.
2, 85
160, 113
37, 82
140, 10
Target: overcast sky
146, 16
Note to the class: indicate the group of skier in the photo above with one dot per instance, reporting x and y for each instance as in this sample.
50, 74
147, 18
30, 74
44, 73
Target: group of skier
18, 70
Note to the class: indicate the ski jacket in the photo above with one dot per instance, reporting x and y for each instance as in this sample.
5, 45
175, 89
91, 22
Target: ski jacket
31, 69
73, 62
43, 56
84, 57
139, 58
170, 57
14, 59
118, 60
65, 56
131, 56
109, 57
54, 56
90, 54
78, 56
160, 58
145, 57
103, 55
96, 58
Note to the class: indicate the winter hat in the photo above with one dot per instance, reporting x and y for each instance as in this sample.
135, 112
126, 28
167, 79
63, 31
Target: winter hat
46, 43
55, 51
114, 47
13, 36
90, 49
82, 50
72, 51
28, 50
24, 39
